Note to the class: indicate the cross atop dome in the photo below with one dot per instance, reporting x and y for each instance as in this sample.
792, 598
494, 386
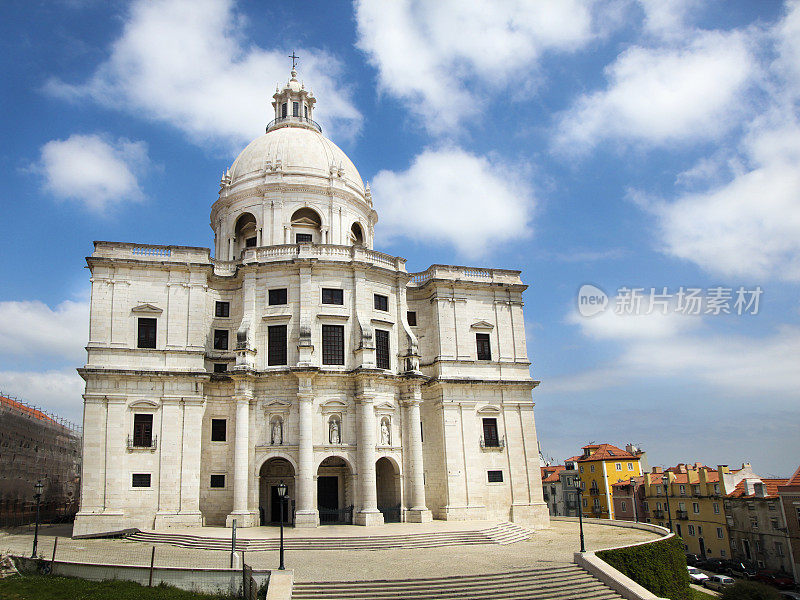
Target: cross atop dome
294, 60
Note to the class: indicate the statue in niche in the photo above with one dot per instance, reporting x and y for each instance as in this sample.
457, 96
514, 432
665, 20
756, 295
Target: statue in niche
277, 432
386, 433
333, 432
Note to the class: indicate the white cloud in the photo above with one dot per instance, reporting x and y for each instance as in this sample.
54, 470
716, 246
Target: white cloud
660, 96
431, 54
31, 328
668, 19
187, 63
93, 171
679, 347
454, 197
57, 392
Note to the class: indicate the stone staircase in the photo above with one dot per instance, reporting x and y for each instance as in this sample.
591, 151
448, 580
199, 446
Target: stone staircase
563, 582
503, 533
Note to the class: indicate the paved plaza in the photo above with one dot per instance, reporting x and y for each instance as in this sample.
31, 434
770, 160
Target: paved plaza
548, 546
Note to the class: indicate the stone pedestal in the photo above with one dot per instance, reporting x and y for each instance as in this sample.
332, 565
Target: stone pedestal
164, 520
368, 518
418, 515
534, 515
243, 519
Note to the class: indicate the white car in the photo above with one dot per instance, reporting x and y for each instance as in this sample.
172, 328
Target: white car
718, 582
696, 575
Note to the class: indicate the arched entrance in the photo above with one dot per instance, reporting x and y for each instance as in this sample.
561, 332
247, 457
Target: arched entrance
245, 234
387, 481
335, 491
272, 472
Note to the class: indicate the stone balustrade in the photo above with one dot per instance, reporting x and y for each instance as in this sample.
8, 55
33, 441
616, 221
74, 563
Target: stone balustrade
456, 273
331, 252
151, 252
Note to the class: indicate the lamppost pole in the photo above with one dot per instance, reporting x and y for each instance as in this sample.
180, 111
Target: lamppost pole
282, 497
665, 479
38, 495
580, 515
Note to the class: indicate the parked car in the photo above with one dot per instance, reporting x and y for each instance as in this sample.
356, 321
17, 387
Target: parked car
715, 565
741, 568
718, 582
696, 575
692, 560
774, 578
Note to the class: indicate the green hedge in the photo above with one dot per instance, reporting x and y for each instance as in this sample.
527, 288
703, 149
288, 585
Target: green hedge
659, 567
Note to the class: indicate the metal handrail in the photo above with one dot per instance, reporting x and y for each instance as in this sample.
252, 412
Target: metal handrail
133, 446
306, 120
501, 443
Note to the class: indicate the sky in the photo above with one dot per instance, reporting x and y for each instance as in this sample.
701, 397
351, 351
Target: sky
637, 160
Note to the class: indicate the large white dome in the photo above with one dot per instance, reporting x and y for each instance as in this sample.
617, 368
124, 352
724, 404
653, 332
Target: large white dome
298, 149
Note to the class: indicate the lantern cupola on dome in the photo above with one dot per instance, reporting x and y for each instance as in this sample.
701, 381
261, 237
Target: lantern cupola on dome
294, 106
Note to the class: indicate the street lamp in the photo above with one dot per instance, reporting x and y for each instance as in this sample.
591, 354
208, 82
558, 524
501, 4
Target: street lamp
665, 479
580, 514
282, 496
38, 495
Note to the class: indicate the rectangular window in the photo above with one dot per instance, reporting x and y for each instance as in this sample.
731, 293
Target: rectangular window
753, 522
332, 343
305, 110
618, 466
276, 345
332, 296
283, 110
696, 489
774, 522
140, 480
143, 430
495, 476
295, 109
220, 367
411, 317
278, 296
699, 530
218, 430
630, 466
798, 515
222, 309
484, 349
691, 529
720, 535
303, 238
733, 544
682, 489
382, 348
250, 242
490, 437
591, 468
381, 302
695, 508
581, 469
779, 548
678, 529
147, 333
220, 339
217, 481
716, 508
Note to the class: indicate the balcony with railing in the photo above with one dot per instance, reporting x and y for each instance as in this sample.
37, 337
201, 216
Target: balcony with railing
293, 121
493, 444
594, 491
682, 515
135, 442
658, 513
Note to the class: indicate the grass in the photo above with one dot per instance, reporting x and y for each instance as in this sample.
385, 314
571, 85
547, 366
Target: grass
698, 595
44, 587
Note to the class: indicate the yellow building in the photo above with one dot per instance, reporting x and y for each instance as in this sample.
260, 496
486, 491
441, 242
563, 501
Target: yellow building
601, 466
694, 504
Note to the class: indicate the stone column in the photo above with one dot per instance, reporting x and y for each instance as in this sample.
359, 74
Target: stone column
418, 513
369, 513
241, 467
190, 514
306, 513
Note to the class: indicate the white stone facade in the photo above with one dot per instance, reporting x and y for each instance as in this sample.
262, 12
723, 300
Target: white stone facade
200, 429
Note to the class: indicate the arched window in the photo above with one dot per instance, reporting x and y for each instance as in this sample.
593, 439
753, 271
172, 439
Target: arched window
306, 226
245, 233
356, 235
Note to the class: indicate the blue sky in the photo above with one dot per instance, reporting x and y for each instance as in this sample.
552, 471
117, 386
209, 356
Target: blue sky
628, 143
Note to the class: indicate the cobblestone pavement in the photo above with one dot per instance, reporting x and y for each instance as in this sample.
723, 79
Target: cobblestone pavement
548, 546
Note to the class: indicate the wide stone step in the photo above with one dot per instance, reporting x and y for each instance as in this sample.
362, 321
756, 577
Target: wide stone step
567, 582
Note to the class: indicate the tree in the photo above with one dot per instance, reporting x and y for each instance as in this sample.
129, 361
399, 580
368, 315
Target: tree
749, 590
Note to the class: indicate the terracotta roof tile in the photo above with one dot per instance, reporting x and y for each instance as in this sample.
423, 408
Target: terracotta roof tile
792, 482
771, 485
550, 474
606, 452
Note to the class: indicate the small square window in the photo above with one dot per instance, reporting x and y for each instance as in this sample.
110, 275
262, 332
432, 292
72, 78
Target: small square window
222, 309
303, 238
411, 317
220, 339
332, 296
278, 296
218, 430
381, 302
495, 476
147, 333
140, 480
220, 367
484, 347
217, 481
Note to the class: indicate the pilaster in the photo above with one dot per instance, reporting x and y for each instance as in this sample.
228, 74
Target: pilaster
306, 513
368, 514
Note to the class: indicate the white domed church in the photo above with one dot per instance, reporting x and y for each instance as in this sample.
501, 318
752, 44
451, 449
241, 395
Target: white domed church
298, 354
